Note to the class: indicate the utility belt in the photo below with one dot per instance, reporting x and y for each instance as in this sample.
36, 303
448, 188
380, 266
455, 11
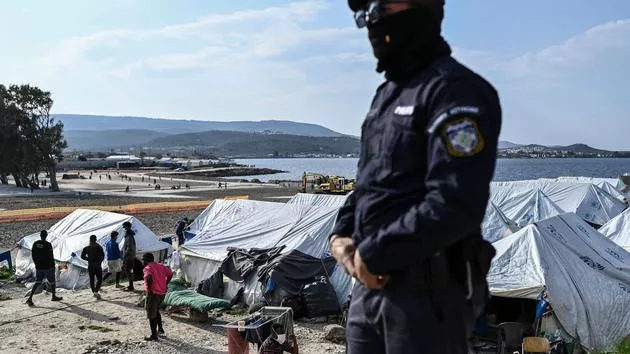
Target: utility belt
465, 264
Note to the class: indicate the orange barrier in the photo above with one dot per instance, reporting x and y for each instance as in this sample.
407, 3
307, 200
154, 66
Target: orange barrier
139, 208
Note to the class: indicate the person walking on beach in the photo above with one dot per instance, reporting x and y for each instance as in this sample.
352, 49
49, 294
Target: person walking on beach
42, 254
410, 233
94, 255
156, 279
129, 253
114, 257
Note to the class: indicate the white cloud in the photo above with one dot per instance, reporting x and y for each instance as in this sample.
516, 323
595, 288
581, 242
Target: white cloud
548, 64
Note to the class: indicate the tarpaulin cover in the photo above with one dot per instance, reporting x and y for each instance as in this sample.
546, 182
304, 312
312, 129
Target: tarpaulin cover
194, 300
618, 230
248, 224
586, 275
616, 183
318, 199
295, 269
496, 224
319, 298
519, 210
240, 263
588, 201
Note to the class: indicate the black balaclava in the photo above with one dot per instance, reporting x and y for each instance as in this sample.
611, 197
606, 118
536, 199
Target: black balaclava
407, 41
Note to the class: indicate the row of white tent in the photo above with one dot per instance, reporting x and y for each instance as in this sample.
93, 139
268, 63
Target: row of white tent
586, 273
513, 205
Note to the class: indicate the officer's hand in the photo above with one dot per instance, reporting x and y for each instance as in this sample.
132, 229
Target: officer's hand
343, 251
371, 281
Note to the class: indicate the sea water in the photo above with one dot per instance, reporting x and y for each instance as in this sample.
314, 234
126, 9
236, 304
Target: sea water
506, 170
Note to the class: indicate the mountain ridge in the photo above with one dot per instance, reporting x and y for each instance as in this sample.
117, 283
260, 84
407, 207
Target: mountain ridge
85, 122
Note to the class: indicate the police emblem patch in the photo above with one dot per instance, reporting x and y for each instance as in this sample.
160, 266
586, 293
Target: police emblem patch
463, 138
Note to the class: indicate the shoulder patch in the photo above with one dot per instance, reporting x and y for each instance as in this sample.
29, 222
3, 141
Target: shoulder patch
463, 138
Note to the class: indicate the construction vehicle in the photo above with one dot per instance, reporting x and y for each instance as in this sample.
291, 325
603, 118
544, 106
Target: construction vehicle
319, 184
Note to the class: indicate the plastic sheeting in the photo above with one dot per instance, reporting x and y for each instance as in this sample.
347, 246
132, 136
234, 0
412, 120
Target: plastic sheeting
496, 224
586, 275
588, 201
253, 224
618, 230
318, 199
616, 183
72, 233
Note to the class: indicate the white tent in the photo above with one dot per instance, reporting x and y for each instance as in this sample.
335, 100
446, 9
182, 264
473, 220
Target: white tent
318, 199
616, 183
255, 224
610, 189
528, 207
71, 234
510, 212
496, 224
588, 201
618, 230
586, 275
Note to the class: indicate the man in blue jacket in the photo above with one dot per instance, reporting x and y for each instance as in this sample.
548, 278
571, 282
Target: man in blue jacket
410, 233
114, 257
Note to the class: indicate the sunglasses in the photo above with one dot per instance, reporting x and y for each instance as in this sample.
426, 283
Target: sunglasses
370, 14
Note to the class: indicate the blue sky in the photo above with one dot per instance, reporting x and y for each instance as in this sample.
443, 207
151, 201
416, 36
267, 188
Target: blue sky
562, 67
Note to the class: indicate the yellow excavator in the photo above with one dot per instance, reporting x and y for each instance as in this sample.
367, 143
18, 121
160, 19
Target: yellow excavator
319, 184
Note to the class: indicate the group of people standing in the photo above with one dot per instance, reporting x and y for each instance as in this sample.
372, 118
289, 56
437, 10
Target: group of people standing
94, 255
156, 276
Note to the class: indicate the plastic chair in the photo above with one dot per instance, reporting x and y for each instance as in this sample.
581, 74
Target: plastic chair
509, 337
536, 345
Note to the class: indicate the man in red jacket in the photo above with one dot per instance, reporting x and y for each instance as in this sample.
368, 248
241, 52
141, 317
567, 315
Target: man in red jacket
156, 279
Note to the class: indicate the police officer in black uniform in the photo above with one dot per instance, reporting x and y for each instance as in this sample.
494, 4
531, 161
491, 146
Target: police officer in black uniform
410, 233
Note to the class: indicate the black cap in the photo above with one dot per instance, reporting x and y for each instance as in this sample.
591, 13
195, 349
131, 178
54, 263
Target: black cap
437, 5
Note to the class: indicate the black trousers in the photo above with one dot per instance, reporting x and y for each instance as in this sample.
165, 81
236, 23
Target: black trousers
396, 320
96, 277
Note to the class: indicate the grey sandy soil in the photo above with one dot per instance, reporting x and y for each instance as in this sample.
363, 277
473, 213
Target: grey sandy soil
82, 324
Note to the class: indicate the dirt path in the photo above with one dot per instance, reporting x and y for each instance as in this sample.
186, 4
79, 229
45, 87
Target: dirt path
82, 324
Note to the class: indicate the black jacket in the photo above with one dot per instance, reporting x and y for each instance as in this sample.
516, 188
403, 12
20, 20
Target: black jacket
93, 254
42, 253
428, 153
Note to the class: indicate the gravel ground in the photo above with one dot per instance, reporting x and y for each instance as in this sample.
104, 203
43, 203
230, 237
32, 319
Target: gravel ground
82, 324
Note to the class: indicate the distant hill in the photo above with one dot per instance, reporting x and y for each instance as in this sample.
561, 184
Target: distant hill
581, 148
507, 145
106, 139
230, 143
175, 126
576, 148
